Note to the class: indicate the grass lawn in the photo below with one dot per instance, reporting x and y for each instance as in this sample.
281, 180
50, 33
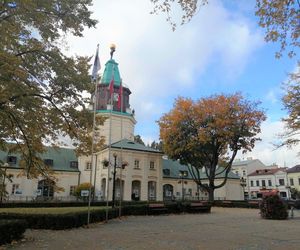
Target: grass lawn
47, 210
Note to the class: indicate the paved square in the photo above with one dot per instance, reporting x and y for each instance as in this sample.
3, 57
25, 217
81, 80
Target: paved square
223, 228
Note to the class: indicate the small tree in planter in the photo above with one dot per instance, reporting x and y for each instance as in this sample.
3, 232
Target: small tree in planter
272, 207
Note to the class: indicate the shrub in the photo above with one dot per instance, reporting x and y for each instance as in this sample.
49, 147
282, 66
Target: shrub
272, 207
11, 230
83, 186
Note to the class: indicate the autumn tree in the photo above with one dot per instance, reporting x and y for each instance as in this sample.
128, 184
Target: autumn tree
279, 18
291, 102
41, 89
209, 132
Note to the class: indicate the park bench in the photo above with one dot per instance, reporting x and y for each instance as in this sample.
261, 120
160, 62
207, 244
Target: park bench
157, 208
253, 204
200, 207
227, 203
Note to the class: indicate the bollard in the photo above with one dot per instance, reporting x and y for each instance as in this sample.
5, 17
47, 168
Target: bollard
292, 212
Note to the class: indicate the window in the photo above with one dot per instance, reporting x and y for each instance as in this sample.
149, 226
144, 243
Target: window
136, 164
283, 194
14, 188
281, 182
48, 162
73, 164
244, 172
270, 183
183, 173
299, 181
251, 183
263, 183
12, 160
190, 191
151, 164
88, 166
291, 181
257, 183
72, 190
166, 172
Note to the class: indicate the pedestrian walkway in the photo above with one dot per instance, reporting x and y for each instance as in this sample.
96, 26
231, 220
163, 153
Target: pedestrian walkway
223, 228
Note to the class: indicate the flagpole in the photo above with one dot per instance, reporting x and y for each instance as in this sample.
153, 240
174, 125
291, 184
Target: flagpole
96, 68
121, 157
112, 50
109, 156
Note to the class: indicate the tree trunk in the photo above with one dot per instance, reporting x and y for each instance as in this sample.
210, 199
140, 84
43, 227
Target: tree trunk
211, 194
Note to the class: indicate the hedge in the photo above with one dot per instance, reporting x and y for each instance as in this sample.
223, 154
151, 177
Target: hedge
78, 219
238, 204
11, 230
64, 204
61, 221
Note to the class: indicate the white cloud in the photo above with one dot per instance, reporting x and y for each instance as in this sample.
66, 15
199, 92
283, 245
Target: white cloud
157, 63
265, 149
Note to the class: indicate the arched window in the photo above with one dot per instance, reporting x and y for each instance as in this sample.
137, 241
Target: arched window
151, 190
168, 191
136, 190
46, 188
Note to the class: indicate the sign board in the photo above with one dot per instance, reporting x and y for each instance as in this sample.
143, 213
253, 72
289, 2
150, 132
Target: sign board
84, 193
18, 191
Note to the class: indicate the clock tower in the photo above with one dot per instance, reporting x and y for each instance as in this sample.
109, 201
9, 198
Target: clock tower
112, 102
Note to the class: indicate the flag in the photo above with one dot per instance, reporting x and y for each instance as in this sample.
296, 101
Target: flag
111, 85
120, 96
97, 65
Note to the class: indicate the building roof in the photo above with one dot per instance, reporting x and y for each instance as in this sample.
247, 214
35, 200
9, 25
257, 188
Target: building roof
269, 171
246, 162
175, 167
295, 169
61, 158
131, 145
111, 70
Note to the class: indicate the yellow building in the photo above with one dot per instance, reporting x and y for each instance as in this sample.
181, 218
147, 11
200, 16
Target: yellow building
294, 177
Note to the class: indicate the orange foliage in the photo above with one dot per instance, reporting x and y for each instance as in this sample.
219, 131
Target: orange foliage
203, 133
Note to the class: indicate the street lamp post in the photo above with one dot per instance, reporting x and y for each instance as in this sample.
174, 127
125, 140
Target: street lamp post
114, 180
182, 174
243, 184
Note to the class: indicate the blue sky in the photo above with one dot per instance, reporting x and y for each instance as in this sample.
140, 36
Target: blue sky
220, 51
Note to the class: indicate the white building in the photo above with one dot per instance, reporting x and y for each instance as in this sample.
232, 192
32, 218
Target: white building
265, 180
245, 167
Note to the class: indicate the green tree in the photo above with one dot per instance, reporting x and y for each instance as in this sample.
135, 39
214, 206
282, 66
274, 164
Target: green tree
291, 102
138, 139
157, 145
208, 133
279, 18
41, 89
295, 193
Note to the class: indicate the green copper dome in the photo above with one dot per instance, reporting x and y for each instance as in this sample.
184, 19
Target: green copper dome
111, 67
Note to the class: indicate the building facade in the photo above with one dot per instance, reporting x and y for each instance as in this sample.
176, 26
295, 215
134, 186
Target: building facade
245, 167
293, 175
266, 180
123, 168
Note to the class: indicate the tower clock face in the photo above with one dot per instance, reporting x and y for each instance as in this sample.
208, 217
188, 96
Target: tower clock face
116, 96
